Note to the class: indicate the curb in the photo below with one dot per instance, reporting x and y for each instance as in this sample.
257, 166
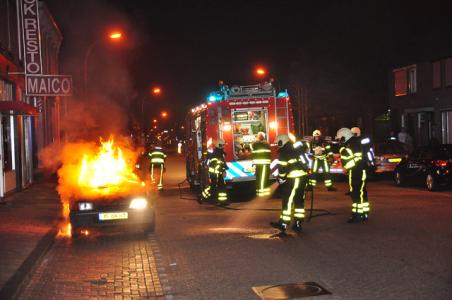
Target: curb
12, 287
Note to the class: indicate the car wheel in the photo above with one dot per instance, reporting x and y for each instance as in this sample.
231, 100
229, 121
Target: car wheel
398, 178
75, 232
430, 182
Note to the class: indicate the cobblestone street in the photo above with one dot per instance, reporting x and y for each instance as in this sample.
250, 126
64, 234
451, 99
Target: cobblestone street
106, 267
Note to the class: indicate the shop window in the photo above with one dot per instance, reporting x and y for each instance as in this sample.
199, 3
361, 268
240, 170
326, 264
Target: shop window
8, 143
6, 91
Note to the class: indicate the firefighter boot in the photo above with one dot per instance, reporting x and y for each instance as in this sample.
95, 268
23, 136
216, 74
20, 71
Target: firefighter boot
355, 218
281, 226
297, 226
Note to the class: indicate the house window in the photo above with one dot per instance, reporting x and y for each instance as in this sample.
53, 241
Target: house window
448, 71
446, 127
400, 83
405, 81
436, 76
412, 82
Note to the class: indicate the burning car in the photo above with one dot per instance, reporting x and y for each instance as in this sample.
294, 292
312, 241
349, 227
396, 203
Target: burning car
99, 187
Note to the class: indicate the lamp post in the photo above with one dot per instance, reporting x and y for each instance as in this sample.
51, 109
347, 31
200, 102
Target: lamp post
156, 91
114, 36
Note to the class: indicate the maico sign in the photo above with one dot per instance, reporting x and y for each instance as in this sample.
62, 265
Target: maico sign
49, 85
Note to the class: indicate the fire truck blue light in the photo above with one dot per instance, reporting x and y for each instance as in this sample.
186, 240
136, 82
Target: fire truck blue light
214, 97
283, 94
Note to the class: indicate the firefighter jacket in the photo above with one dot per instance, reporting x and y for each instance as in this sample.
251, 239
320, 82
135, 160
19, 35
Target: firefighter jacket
352, 154
261, 154
292, 163
157, 156
320, 149
216, 161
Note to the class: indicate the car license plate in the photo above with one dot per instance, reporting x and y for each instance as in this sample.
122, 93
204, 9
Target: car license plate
113, 216
249, 170
394, 160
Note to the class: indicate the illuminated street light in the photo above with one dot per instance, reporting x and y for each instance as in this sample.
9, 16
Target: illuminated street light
156, 91
155, 120
260, 71
164, 114
114, 35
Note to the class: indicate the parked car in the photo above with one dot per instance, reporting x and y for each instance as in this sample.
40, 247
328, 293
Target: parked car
388, 155
430, 166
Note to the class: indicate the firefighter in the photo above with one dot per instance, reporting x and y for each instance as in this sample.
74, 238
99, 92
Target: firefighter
216, 164
356, 164
293, 169
261, 156
322, 155
157, 157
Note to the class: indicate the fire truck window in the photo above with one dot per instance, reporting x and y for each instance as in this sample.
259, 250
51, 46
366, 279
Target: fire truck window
246, 125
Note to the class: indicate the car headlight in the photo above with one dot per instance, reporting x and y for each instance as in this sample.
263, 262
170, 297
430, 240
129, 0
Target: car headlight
138, 203
85, 206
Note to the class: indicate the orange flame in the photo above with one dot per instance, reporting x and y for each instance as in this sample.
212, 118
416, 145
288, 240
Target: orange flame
92, 171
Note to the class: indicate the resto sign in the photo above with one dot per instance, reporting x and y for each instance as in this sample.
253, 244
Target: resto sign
32, 41
49, 85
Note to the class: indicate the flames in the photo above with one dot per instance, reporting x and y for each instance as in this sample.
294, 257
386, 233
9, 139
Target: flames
93, 171
107, 171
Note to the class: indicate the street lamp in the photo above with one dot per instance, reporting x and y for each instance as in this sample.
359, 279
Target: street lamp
156, 90
164, 114
261, 71
114, 36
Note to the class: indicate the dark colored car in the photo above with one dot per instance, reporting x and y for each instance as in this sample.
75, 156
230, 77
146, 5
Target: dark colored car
134, 211
388, 155
430, 166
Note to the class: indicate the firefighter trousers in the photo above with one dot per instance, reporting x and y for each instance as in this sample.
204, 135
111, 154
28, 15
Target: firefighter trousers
321, 163
262, 175
216, 189
293, 199
159, 174
358, 192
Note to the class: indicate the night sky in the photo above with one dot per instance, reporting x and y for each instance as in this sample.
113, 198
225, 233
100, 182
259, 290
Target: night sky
340, 52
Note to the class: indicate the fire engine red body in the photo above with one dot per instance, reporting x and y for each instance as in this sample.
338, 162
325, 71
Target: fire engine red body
235, 115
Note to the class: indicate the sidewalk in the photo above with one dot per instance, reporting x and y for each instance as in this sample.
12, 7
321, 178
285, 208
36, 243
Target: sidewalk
27, 229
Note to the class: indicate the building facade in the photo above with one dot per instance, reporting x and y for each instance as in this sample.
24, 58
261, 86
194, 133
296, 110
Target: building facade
420, 98
27, 123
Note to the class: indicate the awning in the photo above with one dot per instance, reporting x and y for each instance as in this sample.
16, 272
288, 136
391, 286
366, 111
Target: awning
18, 108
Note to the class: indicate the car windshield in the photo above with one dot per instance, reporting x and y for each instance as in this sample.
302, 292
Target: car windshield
390, 148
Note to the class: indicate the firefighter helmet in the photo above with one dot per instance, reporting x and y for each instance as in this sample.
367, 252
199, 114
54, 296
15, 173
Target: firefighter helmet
316, 133
281, 140
260, 136
356, 131
220, 143
344, 134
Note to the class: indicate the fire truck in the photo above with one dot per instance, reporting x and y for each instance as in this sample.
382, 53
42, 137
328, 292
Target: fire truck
235, 114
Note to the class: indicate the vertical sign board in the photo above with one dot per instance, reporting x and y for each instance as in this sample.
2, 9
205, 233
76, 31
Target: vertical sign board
32, 39
37, 84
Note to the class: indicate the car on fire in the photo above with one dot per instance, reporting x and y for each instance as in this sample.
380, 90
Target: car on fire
135, 211
430, 166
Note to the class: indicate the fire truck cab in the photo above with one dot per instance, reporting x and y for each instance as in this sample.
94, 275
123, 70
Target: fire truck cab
235, 114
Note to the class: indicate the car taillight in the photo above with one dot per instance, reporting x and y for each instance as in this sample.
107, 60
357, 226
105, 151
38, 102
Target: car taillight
441, 163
